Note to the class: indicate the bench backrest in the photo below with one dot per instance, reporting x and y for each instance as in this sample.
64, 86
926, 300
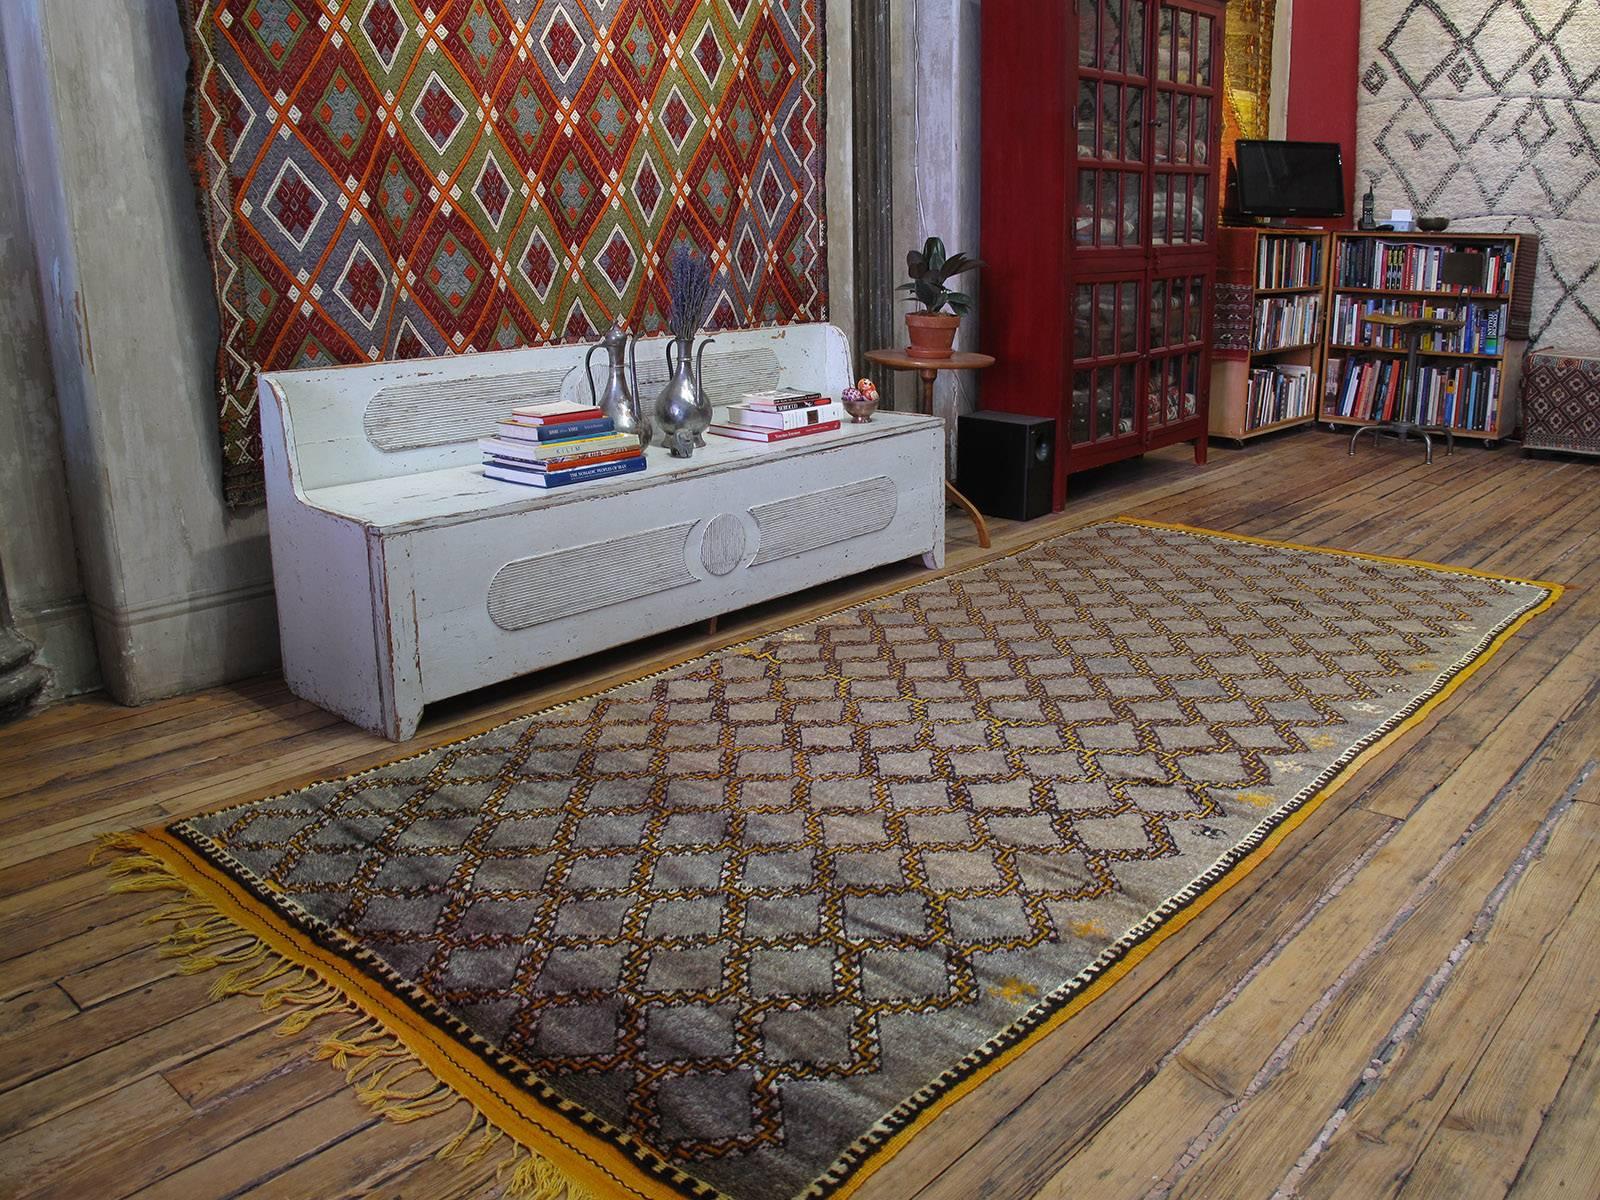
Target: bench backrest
349, 424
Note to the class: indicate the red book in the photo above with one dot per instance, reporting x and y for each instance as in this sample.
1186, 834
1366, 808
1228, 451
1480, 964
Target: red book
746, 433
1369, 381
554, 414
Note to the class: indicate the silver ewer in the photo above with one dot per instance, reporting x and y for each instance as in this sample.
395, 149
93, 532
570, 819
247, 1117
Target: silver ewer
620, 402
682, 410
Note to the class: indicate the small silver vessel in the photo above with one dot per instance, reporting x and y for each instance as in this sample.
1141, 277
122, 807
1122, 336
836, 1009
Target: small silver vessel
682, 410
620, 400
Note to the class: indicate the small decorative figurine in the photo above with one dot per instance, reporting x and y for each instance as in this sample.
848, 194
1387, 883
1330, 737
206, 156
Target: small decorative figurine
860, 401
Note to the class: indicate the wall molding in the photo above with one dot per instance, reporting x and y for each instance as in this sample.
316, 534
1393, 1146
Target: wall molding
130, 615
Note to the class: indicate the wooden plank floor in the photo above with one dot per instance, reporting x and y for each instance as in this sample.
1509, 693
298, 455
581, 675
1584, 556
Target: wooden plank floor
1402, 1001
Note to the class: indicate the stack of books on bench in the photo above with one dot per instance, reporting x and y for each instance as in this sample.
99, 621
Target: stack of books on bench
556, 443
778, 415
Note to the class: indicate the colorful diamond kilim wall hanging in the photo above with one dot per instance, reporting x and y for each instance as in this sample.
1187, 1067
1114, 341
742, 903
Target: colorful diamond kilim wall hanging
387, 179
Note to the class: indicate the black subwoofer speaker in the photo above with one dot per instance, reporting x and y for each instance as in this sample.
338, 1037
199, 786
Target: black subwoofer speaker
1005, 463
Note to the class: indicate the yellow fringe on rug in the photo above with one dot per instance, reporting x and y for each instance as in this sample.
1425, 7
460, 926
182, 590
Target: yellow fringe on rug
374, 1062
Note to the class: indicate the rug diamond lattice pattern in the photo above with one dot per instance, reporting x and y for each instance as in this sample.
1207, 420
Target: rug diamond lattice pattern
753, 916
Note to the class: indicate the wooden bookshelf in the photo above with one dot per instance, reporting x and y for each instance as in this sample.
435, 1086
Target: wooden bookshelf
1266, 364
1468, 376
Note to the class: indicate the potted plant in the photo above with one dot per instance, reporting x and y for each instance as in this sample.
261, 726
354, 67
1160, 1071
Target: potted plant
933, 331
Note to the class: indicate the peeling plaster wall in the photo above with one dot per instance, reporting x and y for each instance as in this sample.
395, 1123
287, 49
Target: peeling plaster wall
937, 107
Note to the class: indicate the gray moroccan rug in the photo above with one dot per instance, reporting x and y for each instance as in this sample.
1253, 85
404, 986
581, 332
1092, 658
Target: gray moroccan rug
1488, 112
744, 926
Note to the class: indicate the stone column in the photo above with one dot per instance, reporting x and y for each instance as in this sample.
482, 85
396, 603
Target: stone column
37, 543
179, 589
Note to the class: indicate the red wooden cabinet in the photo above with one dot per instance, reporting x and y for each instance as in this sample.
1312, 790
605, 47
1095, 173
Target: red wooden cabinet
1099, 226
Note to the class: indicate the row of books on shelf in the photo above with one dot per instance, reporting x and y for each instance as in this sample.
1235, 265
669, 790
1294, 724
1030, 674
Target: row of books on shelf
1482, 333
558, 443
1279, 393
1283, 262
778, 415
1417, 267
1464, 397
1284, 321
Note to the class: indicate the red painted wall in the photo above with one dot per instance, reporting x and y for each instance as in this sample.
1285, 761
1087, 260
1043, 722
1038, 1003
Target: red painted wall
1324, 63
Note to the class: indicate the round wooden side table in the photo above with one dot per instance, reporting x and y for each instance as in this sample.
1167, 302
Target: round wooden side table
928, 370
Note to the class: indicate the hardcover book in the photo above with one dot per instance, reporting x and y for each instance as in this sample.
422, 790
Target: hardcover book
556, 412
566, 462
754, 433
798, 418
781, 399
526, 451
511, 474
517, 428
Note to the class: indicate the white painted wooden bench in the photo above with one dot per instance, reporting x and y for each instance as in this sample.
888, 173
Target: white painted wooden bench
404, 576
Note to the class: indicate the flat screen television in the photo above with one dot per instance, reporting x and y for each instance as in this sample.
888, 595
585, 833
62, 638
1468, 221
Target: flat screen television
1288, 179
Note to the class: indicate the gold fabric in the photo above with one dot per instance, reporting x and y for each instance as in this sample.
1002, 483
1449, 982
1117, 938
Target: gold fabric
1246, 75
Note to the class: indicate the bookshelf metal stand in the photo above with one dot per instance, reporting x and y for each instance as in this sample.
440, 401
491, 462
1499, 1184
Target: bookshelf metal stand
1410, 330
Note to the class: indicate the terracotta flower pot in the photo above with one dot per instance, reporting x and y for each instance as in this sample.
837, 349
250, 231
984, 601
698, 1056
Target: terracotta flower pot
932, 334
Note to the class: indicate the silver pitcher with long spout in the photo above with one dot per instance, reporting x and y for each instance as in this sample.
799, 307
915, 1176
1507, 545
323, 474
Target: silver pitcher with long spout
620, 401
682, 410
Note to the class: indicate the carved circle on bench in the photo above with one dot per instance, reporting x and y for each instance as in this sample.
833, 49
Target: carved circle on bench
722, 547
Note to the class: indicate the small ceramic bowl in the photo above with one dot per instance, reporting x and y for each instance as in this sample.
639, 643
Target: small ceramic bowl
1433, 224
859, 404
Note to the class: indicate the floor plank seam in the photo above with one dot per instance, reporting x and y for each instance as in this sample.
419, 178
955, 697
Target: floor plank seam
1589, 770
1517, 1180
1271, 954
1203, 946
1278, 1061
1409, 1024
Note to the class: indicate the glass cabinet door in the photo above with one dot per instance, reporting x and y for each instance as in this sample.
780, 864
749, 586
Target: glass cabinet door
1105, 361
1176, 384
1187, 72
1113, 93
1148, 84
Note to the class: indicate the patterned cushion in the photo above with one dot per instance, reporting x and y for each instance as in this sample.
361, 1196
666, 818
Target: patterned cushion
1561, 402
